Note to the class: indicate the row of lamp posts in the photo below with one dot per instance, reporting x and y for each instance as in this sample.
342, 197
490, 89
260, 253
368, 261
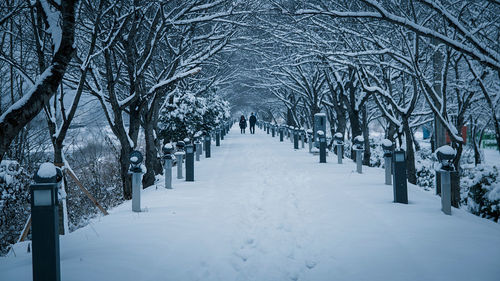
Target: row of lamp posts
45, 201
394, 159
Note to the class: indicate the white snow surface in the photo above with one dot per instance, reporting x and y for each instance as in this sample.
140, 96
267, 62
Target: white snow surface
47, 170
258, 210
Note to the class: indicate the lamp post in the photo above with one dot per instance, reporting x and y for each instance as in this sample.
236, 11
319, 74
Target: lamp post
322, 146
399, 183
179, 154
45, 223
167, 158
207, 145
198, 148
217, 137
189, 162
302, 136
136, 158
445, 155
338, 140
358, 147
388, 148
310, 139
295, 138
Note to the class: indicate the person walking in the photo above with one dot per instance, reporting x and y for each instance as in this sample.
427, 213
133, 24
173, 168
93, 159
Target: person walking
252, 120
243, 123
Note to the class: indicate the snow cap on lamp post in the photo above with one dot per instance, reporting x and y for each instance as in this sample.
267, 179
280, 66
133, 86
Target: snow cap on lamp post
135, 158
358, 142
445, 155
167, 149
198, 135
388, 147
321, 136
180, 145
338, 138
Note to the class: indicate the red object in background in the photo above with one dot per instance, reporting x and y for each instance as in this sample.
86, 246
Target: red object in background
464, 135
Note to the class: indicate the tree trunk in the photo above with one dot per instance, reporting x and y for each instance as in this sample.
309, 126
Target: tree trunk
410, 153
391, 132
124, 167
151, 155
366, 137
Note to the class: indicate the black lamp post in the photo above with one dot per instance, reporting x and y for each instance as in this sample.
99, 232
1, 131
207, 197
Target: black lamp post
399, 183
189, 162
45, 223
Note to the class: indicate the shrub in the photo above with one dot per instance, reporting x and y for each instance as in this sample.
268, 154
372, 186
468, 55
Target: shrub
14, 202
482, 188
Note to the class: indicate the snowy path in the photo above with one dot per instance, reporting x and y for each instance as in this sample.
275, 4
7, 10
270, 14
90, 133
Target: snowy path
261, 211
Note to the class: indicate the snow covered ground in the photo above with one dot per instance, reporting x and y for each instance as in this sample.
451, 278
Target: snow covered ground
259, 210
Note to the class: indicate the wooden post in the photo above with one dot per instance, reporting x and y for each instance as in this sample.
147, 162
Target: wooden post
82, 188
26, 230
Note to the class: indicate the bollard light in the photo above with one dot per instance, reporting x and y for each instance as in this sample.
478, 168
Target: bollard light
322, 146
189, 162
358, 147
310, 134
207, 145
180, 145
136, 158
445, 155
217, 137
338, 140
359, 142
179, 155
168, 149
302, 136
45, 223
295, 138
399, 183
388, 148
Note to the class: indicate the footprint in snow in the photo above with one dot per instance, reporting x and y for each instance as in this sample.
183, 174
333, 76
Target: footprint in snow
310, 264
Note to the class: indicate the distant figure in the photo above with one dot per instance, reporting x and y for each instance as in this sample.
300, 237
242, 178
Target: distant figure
243, 124
252, 120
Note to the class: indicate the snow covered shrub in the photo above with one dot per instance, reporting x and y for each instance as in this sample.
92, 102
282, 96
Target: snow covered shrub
377, 153
483, 196
188, 114
424, 168
14, 202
